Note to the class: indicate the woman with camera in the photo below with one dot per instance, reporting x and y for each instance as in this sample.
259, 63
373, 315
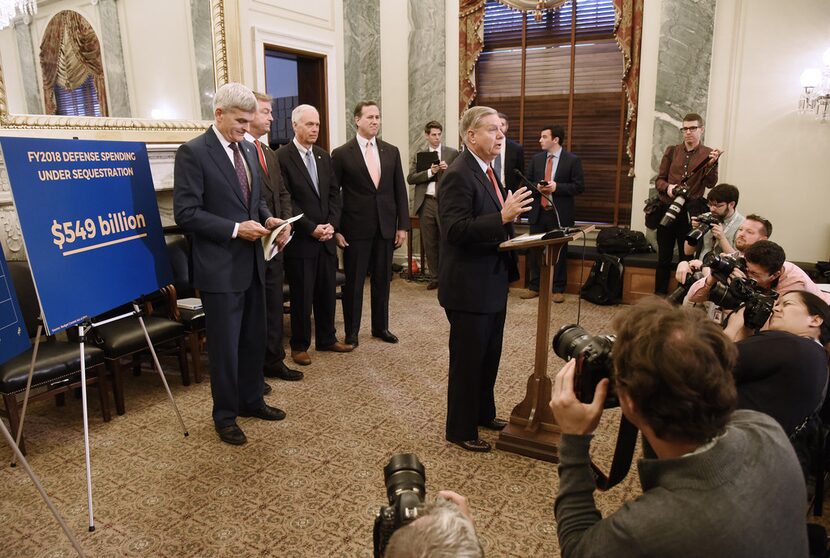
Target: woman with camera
782, 371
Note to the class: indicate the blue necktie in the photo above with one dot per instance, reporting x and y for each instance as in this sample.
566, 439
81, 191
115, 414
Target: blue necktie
312, 170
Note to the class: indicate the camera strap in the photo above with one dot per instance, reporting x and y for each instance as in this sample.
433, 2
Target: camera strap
623, 454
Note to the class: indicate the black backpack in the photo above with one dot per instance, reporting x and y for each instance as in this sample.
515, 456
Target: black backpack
605, 282
616, 240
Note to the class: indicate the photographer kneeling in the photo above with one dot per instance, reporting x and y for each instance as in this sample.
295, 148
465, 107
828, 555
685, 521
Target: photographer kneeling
783, 371
723, 483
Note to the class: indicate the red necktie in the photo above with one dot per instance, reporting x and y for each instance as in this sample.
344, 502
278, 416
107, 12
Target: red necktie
548, 178
492, 178
261, 157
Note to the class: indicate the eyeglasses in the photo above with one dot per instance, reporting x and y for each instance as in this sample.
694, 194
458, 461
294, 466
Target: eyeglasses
689, 129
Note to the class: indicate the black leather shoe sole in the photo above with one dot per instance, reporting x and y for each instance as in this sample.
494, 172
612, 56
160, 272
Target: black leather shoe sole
285, 373
387, 336
265, 413
231, 435
495, 424
473, 445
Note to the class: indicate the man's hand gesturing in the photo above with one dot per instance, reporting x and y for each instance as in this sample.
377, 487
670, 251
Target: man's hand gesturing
517, 202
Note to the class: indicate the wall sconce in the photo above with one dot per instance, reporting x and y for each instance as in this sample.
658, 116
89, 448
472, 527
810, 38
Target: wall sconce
816, 95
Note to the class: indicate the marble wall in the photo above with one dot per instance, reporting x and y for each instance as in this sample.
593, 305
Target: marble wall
119, 97
361, 22
427, 64
203, 50
26, 53
686, 31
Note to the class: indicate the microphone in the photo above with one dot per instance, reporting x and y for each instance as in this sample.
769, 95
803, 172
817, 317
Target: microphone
518, 173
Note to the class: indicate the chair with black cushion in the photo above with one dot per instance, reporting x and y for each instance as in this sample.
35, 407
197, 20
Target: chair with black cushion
178, 250
124, 338
58, 365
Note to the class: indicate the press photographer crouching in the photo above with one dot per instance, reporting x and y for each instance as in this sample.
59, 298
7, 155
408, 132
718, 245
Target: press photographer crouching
723, 483
783, 371
409, 527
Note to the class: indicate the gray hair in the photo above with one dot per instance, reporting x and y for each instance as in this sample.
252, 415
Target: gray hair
472, 118
297, 113
442, 532
234, 96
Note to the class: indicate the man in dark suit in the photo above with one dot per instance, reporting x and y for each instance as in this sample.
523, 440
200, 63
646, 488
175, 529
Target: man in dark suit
374, 221
311, 256
279, 204
558, 175
476, 215
512, 157
217, 198
425, 197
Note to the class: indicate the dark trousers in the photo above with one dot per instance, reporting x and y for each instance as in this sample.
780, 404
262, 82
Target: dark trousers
475, 353
373, 256
431, 233
235, 324
313, 288
547, 222
274, 351
667, 239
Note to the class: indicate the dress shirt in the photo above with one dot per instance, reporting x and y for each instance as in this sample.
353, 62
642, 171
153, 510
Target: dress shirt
363, 142
431, 185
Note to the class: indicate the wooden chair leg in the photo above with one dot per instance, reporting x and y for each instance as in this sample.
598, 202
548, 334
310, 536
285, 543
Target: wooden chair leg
10, 400
104, 393
184, 367
195, 355
114, 367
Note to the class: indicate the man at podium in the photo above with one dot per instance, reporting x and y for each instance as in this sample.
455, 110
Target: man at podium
476, 214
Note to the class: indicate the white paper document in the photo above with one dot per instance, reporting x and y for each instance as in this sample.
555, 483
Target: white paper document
269, 242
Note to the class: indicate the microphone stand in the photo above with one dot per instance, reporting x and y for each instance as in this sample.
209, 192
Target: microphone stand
559, 231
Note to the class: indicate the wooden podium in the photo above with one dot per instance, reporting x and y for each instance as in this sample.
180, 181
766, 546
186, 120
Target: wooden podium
532, 431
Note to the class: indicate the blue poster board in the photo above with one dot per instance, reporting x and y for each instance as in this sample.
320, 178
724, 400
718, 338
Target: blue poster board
90, 223
14, 339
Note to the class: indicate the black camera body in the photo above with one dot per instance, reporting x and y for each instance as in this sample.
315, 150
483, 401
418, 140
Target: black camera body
676, 206
406, 491
707, 221
676, 297
757, 302
722, 266
593, 354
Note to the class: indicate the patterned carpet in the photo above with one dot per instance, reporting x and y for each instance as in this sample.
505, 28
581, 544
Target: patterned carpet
309, 485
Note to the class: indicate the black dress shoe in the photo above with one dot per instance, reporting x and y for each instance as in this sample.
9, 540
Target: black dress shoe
268, 389
495, 424
351, 340
385, 335
266, 412
231, 434
283, 372
473, 445
432, 285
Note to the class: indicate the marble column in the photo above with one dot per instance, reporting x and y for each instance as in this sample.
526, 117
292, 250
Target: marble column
203, 51
427, 66
361, 28
28, 65
686, 31
118, 98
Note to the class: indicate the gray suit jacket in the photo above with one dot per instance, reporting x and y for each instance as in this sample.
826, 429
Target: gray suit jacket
420, 180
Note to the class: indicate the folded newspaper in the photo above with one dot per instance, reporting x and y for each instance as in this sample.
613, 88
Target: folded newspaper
269, 242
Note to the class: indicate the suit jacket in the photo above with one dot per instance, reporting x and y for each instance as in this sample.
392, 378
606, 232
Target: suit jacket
569, 182
514, 158
366, 208
207, 202
474, 275
316, 209
420, 179
273, 188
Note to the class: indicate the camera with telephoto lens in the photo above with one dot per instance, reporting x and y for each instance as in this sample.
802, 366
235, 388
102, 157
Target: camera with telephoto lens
757, 302
593, 354
406, 490
676, 297
706, 220
676, 206
722, 266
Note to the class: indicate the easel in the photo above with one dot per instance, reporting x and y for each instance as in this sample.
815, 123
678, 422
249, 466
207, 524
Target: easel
83, 331
532, 430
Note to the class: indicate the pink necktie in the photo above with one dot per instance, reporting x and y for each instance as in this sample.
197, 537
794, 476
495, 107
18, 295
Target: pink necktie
495, 184
372, 164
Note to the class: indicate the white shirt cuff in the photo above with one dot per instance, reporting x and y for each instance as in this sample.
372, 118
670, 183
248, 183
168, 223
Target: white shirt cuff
235, 230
